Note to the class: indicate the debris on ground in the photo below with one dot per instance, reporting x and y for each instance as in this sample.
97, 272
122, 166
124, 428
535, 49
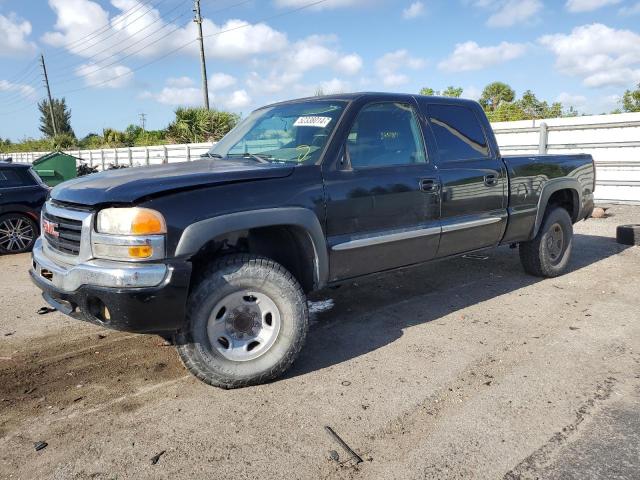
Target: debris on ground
40, 446
333, 455
156, 458
8, 334
45, 310
101, 336
346, 383
343, 444
599, 212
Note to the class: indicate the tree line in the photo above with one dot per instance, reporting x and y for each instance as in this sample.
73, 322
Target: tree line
501, 105
190, 125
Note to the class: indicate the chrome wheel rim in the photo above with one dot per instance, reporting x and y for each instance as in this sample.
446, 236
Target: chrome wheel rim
244, 325
555, 242
16, 234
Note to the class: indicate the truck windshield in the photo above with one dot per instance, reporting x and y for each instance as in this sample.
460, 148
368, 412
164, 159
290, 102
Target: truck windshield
293, 132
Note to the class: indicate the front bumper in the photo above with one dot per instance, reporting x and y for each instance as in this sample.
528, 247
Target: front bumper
142, 298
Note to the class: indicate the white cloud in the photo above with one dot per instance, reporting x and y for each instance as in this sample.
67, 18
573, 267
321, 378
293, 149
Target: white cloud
630, 10
349, 64
24, 90
390, 66
177, 91
415, 10
313, 52
472, 92
577, 6
179, 82
601, 55
507, 13
469, 56
237, 100
13, 36
570, 100
329, 4
220, 81
115, 76
513, 12
335, 85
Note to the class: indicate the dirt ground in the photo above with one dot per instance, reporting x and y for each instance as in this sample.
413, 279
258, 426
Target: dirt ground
461, 369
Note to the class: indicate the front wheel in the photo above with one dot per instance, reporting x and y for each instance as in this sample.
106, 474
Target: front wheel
247, 320
547, 255
18, 233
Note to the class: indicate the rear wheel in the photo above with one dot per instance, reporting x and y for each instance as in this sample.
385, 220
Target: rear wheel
18, 233
247, 320
548, 254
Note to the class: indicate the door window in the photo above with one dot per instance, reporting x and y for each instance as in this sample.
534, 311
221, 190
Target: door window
458, 133
10, 178
385, 134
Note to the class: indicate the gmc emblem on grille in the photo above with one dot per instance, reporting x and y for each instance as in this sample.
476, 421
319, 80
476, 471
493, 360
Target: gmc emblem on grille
50, 228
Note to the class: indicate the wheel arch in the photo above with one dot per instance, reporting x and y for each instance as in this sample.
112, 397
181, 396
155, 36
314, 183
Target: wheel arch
564, 192
296, 225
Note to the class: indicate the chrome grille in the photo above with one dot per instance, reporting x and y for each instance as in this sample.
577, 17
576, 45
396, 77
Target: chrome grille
67, 238
69, 234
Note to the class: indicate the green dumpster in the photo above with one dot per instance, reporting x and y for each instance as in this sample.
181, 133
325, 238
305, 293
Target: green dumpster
55, 168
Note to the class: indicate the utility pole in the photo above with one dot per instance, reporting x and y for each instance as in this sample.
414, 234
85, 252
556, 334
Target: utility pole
203, 63
46, 82
143, 121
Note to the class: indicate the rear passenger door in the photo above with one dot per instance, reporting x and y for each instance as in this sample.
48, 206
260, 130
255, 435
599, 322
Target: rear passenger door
381, 197
473, 180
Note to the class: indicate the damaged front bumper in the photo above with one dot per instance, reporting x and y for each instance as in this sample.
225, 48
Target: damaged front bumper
143, 298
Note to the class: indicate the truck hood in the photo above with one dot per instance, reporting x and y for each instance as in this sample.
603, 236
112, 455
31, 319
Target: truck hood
132, 184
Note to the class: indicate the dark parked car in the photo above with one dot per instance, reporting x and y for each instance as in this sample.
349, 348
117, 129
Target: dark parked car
22, 195
219, 253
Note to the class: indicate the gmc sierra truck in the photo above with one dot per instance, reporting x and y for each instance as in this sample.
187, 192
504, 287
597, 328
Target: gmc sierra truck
219, 253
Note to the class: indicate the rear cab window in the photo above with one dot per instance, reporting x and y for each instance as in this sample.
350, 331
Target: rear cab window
458, 133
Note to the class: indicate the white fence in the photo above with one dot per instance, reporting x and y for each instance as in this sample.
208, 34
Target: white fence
613, 140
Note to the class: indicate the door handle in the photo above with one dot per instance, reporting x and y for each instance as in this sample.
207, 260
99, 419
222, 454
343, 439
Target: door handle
429, 185
490, 180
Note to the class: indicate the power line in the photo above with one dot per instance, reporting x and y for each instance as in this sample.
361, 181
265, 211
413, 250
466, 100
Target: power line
118, 31
106, 27
182, 47
64, 78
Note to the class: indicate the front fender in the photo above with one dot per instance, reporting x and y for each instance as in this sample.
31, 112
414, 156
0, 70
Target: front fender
197, 235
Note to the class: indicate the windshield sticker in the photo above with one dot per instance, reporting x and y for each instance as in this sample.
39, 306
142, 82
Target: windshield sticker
312, 121
303, 152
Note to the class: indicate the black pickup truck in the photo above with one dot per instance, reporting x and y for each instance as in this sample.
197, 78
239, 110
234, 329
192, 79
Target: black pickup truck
219, 253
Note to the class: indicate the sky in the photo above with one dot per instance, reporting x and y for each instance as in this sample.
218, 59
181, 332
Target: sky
115, 59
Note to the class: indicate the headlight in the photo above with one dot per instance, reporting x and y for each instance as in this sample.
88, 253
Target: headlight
129, 234
130, 221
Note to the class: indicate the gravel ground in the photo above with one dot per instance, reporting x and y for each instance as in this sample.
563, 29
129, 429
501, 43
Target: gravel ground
461, 369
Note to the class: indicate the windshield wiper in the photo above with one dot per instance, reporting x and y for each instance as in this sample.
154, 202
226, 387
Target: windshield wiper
211, 155
253, 156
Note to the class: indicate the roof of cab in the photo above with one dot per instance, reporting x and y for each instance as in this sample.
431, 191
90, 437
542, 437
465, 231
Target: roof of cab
382, 96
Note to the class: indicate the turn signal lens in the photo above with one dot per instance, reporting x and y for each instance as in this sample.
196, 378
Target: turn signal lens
130, 221
144, 251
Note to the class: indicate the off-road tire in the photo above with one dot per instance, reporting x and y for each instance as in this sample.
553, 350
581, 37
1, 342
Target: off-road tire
226, 276
628, 234
27, 222
536, 255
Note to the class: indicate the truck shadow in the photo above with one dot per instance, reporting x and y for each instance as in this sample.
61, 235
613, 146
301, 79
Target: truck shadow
372, 313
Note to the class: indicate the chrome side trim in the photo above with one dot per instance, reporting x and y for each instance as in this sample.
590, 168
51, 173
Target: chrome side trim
470, 224
100, 273
391, 237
